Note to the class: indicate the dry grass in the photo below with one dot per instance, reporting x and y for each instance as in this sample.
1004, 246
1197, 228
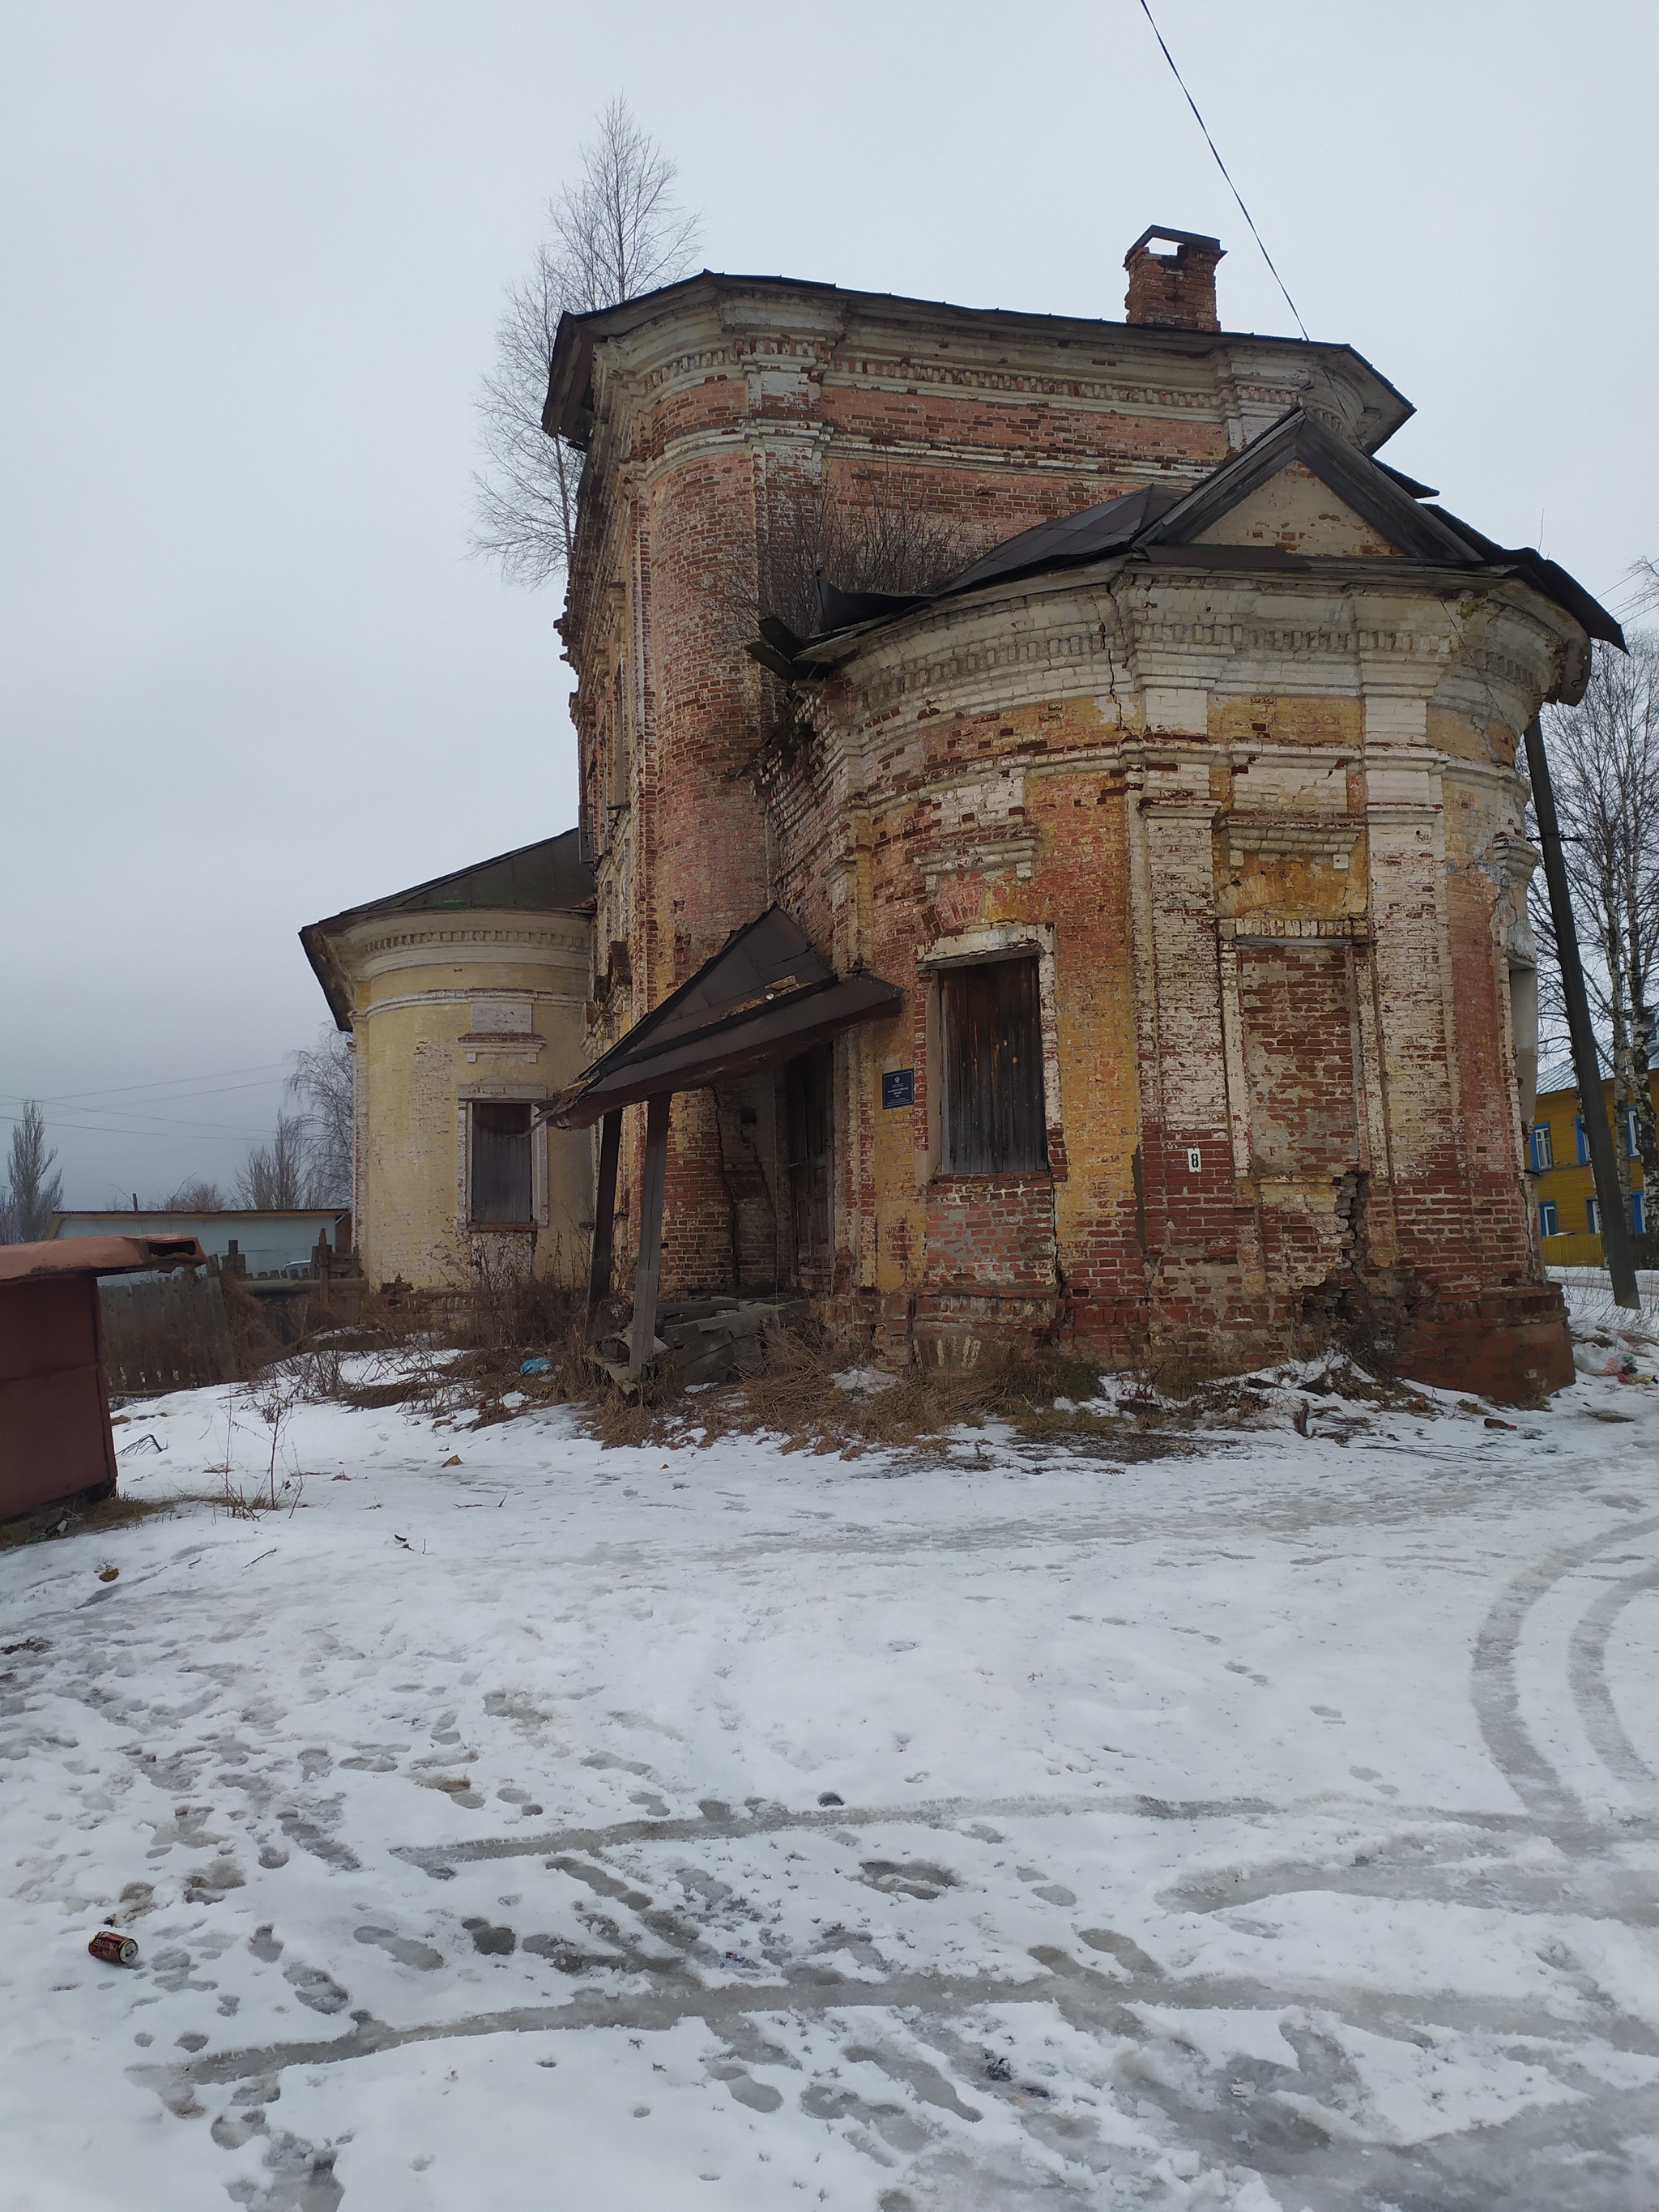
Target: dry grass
813, 1390
812, 1394
80, 1516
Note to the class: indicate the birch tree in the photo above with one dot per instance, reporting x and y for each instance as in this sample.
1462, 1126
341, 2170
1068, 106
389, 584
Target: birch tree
614, 232
1604, 763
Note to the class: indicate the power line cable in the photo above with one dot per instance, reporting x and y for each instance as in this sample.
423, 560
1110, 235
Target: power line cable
211, 1075
144, 1113
119, 1121
142, 1125
208, 1135
1222, 165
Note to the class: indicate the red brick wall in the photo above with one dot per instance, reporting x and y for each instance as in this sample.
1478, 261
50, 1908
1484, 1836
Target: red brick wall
992, 1233
664, 579
1298, 1033
1124, 1242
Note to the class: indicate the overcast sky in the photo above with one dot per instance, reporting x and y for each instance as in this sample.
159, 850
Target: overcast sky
251, 261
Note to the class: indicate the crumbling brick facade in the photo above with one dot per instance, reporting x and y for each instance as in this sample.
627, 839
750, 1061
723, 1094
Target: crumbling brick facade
1257, 831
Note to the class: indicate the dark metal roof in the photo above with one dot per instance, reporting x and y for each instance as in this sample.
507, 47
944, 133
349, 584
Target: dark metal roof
548, 877
1085, 535
1157, 521
551, 877
765, 996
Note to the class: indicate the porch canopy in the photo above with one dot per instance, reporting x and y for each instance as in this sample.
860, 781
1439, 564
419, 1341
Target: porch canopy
764, 997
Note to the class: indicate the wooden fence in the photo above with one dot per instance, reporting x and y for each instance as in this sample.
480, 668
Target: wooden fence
167, 1332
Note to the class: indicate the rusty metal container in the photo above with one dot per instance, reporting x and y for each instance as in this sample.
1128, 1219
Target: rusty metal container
56, 1441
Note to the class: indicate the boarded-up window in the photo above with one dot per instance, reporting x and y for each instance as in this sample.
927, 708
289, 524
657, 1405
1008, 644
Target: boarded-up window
1298, 1022
501, 1163
991, 1108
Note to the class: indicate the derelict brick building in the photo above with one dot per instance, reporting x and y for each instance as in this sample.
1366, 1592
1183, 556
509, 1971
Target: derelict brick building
1181, 831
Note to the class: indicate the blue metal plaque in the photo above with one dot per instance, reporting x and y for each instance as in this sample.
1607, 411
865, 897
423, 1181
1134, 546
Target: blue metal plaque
898, 1087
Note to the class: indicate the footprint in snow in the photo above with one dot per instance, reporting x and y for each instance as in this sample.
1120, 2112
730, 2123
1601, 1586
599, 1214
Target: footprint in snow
315, 1987
497, 1942
406, 1951
915, 1878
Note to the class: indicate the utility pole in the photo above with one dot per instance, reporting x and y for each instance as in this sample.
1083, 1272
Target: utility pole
1586, 1059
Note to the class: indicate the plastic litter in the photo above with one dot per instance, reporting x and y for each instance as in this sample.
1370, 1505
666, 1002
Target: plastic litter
1623, 1369
537, 1366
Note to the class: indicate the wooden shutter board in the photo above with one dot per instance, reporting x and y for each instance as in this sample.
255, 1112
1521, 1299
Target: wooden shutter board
994, 1122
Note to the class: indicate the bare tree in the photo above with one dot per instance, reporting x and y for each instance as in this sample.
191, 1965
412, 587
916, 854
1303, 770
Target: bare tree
1604, 765
33, 1193
320, 1086
279, 1175
196, 1194
869, 531
309, 1161
616, 232
1642, 579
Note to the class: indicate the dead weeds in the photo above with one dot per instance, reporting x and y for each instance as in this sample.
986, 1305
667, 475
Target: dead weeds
814, 1391
80, 1516
811, 1394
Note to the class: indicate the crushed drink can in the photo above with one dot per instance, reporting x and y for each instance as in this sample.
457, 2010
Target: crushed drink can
111, 1944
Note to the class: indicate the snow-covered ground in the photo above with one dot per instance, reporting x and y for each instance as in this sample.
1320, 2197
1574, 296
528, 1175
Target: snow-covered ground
566, 1829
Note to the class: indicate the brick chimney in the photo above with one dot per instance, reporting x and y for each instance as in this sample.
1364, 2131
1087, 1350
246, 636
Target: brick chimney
1173, 288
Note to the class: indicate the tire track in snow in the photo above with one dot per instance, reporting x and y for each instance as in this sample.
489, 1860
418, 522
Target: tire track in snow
1496, 1690
1587, 1677
1294, 2127
438, 1860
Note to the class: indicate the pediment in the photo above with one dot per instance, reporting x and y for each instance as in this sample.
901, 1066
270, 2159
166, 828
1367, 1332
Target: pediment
1300, 490
1296, 511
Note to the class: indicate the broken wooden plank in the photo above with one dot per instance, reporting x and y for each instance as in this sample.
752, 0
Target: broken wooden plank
605, 1213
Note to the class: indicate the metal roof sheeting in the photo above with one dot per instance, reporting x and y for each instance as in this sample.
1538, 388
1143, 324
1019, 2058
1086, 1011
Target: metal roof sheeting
553, 876
1160, 520
765, 996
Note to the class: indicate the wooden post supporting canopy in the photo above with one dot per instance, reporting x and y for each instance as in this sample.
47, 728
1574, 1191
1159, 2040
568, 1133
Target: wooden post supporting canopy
650, 1268
605, 1213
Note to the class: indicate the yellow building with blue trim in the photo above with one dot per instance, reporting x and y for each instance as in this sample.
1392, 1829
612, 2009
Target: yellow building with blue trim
1569, 1221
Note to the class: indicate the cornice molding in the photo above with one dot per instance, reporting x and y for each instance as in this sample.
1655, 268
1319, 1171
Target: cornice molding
463, 998
1098, 632
492, 937
1323, 834
1294, 929
747, 324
